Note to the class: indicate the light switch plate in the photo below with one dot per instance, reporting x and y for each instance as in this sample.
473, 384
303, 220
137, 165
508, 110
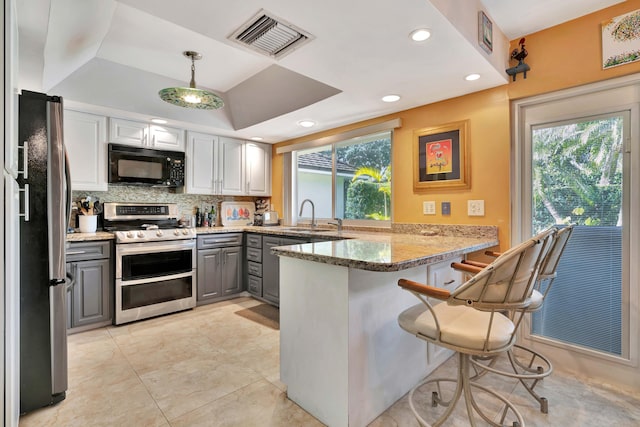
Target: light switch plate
429, 208
446, 208
475, 207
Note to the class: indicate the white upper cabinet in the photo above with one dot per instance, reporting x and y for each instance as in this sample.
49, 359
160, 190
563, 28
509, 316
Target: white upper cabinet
85, 137
258, 169
131, 132
227, 166
201, 168
231, 167
166, 138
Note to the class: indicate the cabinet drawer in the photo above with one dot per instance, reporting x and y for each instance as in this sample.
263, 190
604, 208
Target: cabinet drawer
442, 275
254, 241
87, 250
254, 269
210, 241
254, 254
255, 285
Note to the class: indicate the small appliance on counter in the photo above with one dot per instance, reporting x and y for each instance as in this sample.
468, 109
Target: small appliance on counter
270, 218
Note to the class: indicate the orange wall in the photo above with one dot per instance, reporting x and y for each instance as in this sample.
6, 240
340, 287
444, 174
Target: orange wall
560, 57
569, 55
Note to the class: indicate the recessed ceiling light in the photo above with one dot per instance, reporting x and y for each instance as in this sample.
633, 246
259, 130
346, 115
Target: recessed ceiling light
256, 138
472, 77
391, 98
159, 121
420, 35
306, 123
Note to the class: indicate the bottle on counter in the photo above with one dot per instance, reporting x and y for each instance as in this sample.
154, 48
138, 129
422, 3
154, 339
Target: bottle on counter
212, 216
205, 217
198, 218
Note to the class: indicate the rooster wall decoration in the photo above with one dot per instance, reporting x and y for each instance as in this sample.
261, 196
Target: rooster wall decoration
519, 56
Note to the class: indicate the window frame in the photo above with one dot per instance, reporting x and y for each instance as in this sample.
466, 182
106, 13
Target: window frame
291, 204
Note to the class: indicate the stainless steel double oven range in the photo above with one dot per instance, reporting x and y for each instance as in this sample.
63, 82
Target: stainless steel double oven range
155, 260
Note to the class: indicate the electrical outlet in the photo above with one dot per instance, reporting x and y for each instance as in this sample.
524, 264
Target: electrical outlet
446, 208
429, 208
475, 207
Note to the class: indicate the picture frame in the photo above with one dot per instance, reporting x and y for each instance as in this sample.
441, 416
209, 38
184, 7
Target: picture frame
441, 158
621, 40
485, 32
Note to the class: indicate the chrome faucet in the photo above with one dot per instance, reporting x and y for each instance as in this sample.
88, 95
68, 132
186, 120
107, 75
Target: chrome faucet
313, 212
338, 223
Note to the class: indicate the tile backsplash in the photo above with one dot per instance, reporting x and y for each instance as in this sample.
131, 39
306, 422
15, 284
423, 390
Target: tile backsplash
187, 203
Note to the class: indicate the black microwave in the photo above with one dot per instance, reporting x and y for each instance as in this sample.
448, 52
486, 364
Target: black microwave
143, 166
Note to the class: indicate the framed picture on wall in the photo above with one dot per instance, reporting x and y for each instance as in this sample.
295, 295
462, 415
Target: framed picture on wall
621, 40
440, 157
485, 32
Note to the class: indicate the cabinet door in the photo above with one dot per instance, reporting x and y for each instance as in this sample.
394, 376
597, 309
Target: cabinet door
270, 270
129, 132
232, 271
91, 296
200, 158
254, 285
166, 138
230, 174
209, 274
85, 138
258, 169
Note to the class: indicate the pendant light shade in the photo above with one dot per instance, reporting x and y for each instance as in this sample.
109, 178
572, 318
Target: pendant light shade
190, 97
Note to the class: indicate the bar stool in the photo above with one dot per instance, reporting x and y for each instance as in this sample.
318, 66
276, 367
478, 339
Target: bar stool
529, 366
470, 321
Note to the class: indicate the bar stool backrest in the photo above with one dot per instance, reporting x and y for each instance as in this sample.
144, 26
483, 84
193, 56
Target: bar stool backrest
506, 283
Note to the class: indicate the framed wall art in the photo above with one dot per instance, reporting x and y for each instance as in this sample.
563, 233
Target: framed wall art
621, 40
440, 157
485, 32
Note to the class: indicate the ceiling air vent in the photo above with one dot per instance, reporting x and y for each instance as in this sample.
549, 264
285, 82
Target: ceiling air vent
270, 35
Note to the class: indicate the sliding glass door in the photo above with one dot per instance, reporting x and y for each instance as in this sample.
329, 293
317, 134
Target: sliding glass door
576, 160
579, 176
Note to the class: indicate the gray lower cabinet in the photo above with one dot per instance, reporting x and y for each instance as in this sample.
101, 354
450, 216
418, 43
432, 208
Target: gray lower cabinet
271, 266
220, 260
270, 270
90, 298
254, 264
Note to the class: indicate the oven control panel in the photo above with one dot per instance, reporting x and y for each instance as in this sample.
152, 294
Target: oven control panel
154, 235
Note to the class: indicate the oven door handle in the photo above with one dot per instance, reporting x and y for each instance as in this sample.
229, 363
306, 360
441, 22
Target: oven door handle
149, 247
123, 282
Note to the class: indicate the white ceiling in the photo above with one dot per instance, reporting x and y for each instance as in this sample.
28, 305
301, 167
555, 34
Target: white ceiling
115, 55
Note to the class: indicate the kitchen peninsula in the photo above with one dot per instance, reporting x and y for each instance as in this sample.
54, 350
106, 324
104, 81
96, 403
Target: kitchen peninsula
343, 356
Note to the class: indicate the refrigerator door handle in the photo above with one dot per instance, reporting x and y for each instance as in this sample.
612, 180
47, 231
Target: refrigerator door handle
67, 174
56, 211
25, 191
25, 160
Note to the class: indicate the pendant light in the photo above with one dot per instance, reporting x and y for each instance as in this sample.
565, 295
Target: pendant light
190, 97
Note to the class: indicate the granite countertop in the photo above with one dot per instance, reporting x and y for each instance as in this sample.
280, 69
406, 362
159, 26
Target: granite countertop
408, 245
385, 251
88, 237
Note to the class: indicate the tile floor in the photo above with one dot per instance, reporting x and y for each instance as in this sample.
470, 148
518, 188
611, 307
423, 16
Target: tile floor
210, 367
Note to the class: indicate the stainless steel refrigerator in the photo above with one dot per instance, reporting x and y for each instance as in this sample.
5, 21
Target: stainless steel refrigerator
45, 180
